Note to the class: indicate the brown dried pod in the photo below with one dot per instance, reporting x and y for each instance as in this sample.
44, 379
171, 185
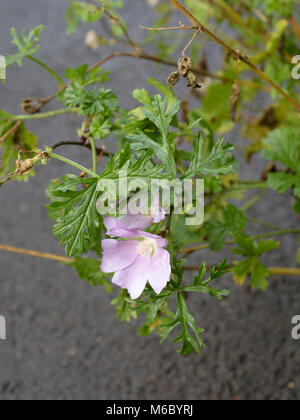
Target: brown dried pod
193, 81
174, 78
23, 167
30, 106
184, 65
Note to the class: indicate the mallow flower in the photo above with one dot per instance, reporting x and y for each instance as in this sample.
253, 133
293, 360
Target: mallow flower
137, 259
127, 222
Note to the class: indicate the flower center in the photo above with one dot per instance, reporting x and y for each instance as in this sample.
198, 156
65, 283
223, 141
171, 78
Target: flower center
147, 247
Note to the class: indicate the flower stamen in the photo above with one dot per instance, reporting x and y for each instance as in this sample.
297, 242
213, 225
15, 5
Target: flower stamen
147, 247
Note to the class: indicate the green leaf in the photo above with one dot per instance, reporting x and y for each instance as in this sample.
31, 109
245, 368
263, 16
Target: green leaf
207, 290
167, 91
144, 142
214, 165
259, 276
191, 341
281, 182
277, 8
161, 142
90, 102
89, 269
125, 310
216, 106
248, 247
150, 303
78, 226
202, 286
142, 96
252, 266
160, 115
84, 77
233, 222
283, 145
27, 44
279, 29
100, 127
81, 11
141, 167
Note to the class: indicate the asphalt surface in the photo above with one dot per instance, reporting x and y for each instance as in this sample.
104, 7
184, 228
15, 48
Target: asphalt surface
63, 340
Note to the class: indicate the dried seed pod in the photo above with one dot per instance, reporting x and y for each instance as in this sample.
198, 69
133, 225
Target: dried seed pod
23, 167
184, 65
192, 81
30, 106
174, 78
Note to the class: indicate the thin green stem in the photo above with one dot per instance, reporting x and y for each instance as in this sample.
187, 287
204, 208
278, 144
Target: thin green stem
263, 223
277, 233
231, 242
72, 163
37, 116
94, 153
248, 186
253, 201
49, 70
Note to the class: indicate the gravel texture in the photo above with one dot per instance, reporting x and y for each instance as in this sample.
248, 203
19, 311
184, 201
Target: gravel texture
63, 339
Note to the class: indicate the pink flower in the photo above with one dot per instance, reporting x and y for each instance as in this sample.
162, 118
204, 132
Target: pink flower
140, 221
139, 258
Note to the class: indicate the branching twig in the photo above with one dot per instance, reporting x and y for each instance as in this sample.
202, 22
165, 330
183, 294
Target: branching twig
67, 260
284, 271
12, 130
38, 254
100, 151
171, 28
236, 54
188, 251
149, 57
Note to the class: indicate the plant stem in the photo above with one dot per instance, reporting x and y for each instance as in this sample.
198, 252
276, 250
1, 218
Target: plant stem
248, 186
38, 116
51, 71
231, 242
150, 57
285, 271
263, 223
100, 151
10, 131
72, 163
236, 54
253, 201
94, 153
59, 258
47, 256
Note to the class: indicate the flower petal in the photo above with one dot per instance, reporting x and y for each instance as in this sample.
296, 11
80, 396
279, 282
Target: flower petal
134, 278
118, 255
136, 222
159, 271
116, 228
162, 242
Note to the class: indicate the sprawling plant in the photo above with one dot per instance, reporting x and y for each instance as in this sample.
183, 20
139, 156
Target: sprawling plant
145, 254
